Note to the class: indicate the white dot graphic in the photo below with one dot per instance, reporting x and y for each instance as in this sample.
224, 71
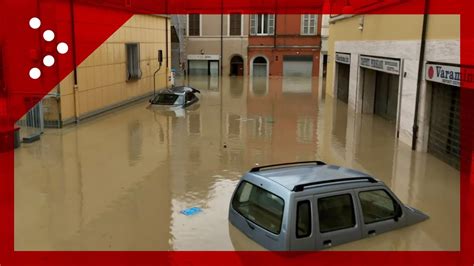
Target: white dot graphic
35, 23
35, 73
62, 48
48, 60
48, 35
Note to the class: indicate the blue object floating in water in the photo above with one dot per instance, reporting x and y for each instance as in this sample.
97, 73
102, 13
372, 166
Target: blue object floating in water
191, 211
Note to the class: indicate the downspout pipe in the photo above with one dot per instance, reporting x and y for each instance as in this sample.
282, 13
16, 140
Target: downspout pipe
222, 37
74, 62
420, 74
275, 15
275, 31
167, 52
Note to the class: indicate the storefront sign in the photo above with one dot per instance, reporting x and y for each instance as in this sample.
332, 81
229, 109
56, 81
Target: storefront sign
381, 64
343, 58
451, 75
203, 57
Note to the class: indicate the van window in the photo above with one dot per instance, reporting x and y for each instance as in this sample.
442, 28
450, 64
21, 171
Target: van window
259, 206
335, 213
303, 219
377, 206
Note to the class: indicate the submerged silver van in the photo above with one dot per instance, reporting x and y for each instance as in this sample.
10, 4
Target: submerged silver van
313, 206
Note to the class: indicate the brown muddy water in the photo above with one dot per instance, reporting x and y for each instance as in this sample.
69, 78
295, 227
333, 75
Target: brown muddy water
120, 180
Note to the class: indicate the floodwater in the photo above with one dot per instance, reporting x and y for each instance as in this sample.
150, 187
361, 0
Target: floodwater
120, 180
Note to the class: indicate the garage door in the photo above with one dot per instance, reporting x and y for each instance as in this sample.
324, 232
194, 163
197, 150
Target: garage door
343, 71
298, 66
444, 124
386, 95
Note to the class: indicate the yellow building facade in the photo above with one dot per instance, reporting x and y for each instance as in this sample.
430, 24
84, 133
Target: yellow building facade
103, 79
373, 66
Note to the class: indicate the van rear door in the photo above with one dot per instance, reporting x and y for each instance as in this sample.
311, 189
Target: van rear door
259, 214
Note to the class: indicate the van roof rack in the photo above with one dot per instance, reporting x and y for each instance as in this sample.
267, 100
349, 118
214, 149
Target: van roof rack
258, 168
300, 187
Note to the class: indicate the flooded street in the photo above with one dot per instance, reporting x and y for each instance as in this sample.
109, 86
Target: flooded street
120, 180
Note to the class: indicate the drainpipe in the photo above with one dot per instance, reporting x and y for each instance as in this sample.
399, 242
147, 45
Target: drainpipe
222, 37
58, 103
274, 37
275, 32
420, 74
166, 46
74, 61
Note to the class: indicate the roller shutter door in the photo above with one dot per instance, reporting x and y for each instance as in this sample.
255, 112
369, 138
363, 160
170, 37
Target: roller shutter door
343, 71
444, 136
297, 66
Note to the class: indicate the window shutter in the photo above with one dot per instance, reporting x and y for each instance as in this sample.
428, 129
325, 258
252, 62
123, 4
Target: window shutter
315, 24
194, 25
133, 61
302, 24
235, 24
271, 24
137, 60
128, 47
253, 26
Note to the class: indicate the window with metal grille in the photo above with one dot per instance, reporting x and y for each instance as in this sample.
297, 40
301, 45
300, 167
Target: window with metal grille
194, 25
235, 24
262, 24
133, 61
309, 24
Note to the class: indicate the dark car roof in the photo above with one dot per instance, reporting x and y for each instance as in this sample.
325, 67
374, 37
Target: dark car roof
294, 177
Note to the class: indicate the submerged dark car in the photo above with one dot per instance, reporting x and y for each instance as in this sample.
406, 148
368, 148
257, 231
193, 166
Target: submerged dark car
175, 97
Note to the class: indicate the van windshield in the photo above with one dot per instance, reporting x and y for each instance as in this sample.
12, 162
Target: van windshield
259, 206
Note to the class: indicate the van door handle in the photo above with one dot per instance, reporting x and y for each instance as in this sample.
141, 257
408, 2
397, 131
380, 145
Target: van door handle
372, 233
250, 225
327, 243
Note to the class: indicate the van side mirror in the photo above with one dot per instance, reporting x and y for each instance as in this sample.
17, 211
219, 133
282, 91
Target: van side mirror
398, 212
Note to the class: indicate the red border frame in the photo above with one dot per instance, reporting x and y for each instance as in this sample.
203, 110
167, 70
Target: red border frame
13, 105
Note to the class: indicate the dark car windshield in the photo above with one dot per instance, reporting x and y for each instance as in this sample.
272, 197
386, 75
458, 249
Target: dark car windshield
165, 99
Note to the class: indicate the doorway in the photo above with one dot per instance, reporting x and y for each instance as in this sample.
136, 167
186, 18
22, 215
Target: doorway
380, 93
260, 66
343, 73
213, 68
237, 66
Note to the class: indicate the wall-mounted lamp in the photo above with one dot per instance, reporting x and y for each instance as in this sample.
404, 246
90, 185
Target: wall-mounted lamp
361, 23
